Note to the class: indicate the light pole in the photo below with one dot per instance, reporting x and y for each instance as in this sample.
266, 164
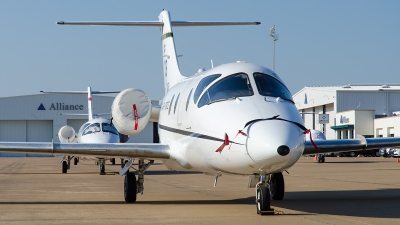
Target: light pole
274, 39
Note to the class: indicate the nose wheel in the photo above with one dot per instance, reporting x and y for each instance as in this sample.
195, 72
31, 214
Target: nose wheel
263, 200
263, 197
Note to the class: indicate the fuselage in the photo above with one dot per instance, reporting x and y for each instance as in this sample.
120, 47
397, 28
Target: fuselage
201, 113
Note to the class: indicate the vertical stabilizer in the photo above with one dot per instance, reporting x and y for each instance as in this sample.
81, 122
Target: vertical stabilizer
90, 109
172, 74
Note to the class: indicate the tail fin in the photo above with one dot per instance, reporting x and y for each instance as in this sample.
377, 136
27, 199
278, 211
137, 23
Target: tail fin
172, 74
89, 104
89, 92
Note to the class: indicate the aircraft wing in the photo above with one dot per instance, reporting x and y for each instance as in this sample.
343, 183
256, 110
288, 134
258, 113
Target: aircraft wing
124, 150
347, 145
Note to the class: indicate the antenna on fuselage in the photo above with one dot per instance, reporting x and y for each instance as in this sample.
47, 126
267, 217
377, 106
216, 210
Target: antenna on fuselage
212, 64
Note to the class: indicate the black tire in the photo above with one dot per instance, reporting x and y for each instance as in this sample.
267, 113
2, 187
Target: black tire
263, 200
321, 159
112, 160
130, 188
102, 169
75, 161
277, 186
64, 167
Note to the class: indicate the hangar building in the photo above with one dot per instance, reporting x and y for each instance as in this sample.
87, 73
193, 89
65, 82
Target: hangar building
368, 110
37, 118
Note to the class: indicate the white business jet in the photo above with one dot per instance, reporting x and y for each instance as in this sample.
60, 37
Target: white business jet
237, 118
95, 130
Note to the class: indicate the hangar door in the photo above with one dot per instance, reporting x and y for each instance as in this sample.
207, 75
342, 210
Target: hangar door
25, 131
76, 123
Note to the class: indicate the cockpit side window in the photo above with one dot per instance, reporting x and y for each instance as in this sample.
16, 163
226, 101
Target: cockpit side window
269, 86
170, 104
109, 128
176, 102
230, 87
187, 102
92, 128
202, 85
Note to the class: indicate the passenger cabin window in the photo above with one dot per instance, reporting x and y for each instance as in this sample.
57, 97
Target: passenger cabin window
188, 99
269, 86
231, 87
92, 128
106, 127
203, 84
176, 102
170, 104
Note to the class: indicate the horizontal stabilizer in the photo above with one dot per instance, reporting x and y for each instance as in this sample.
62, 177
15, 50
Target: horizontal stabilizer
79, 92
158, 23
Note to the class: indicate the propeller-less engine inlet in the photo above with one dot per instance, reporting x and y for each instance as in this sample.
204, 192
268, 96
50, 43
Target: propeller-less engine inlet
66, 134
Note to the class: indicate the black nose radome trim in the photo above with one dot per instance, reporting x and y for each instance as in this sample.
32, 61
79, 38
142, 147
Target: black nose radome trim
283, 150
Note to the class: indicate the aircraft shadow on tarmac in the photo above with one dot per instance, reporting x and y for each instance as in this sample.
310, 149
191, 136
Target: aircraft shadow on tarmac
381, 203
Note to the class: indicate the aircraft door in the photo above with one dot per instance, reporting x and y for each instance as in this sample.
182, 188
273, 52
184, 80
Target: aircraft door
184, 104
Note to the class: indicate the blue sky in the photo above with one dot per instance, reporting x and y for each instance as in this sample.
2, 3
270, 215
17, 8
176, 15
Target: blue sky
320, 43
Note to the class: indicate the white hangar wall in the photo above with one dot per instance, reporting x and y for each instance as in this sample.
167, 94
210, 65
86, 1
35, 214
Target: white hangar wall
37, 118
372, 107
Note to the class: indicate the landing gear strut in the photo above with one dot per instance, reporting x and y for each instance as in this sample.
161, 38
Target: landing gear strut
131, 186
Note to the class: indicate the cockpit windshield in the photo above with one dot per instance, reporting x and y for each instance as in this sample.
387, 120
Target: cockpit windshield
109, 128
230, 87
269, 86
203, 84
92, 128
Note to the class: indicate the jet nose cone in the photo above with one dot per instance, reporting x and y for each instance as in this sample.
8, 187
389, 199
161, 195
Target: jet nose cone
283, 150
274, 145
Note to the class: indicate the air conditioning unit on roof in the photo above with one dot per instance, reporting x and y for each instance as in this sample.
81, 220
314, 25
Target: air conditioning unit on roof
396, 113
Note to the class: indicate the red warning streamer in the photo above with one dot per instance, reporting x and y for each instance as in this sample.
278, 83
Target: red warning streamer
312, 142
135, 114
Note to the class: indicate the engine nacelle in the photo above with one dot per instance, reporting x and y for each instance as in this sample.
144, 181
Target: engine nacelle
131, 111
66, 134
316, 135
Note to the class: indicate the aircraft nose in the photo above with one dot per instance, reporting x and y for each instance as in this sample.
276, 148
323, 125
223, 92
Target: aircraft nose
274, 145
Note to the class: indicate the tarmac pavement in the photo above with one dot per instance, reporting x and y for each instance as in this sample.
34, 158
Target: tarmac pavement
339, 191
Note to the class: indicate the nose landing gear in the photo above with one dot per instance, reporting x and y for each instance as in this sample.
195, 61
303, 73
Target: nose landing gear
263, 197
269, 187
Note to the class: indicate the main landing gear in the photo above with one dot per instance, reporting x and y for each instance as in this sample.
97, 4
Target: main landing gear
66, 163
131, 185
269, 187
102, 165
321, 158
